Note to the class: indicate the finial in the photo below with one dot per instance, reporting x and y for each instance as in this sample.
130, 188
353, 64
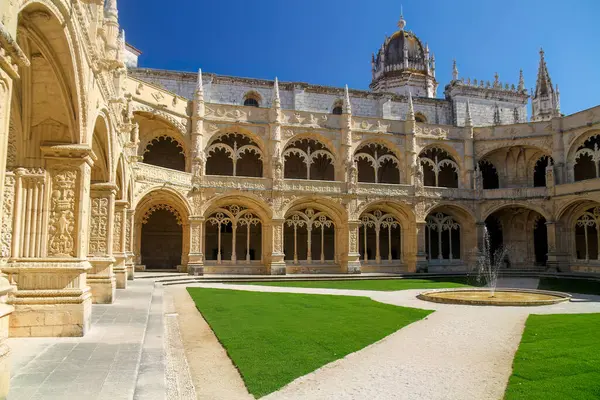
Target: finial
454, 71
468, 119
496, 79
521, 81
402, 22
111, 8
199, 86
541, 52
276, 98
122, 46
411, 108
347, 105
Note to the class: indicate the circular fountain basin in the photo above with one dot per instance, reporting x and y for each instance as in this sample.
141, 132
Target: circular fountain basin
502, 297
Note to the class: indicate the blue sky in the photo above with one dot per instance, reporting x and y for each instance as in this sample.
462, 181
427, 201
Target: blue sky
329, 42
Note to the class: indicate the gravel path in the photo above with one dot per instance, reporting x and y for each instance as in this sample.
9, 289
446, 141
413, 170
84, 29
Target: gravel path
458, 352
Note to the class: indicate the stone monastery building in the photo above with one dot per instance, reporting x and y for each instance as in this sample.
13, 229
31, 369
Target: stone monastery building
108, 168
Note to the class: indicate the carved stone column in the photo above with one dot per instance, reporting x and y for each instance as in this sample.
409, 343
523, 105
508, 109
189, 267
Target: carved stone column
422, 262
196, 255
351, 261
277, 262
101, 278
119, 250
5, 312
53, 297
558, 256
130, 260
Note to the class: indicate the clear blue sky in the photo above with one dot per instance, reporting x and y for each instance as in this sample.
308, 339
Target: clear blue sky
329, 42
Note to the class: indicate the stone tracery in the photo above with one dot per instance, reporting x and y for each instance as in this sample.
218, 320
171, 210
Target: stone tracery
301, 223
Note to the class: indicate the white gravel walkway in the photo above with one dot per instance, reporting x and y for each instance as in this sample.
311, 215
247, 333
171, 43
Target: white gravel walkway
458, 352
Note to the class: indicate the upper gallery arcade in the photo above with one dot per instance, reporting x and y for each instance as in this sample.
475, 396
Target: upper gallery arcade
106, 168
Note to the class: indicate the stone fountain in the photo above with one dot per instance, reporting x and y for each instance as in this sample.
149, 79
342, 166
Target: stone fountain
489, 263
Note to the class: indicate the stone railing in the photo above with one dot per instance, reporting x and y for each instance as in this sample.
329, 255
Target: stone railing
515, 193
236, 113
385, 189
447, 193
310, 120
437, 131
587, 185
235, 182
310, 186
361, 124
153, 173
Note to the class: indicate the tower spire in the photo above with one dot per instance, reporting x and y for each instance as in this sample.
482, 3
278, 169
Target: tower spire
199, 87
276, 98
454, 71
468, 119
347, 105
411, 108
521, 81
545, 102
402, 21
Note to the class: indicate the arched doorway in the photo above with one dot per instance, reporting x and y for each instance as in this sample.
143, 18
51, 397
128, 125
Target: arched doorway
161, 238
523, 233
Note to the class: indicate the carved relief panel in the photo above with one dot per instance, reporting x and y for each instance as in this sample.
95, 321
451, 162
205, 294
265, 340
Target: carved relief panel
61, 224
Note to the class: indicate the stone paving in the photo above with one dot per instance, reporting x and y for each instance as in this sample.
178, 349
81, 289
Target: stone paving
135, 351
122, 357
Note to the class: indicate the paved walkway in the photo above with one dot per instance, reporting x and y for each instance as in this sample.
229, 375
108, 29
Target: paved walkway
458, 352
136, 350
122, 357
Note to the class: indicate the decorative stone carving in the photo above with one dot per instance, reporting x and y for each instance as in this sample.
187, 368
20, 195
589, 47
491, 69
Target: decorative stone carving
196, 232
7, 217
99, 226
118, 231
61, 224
157, 207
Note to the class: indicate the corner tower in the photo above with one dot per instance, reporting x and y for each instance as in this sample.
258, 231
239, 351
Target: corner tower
545, 102
403, 65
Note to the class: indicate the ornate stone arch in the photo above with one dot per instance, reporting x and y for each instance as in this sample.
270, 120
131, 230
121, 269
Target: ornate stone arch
164, 116
75, 44
166, 199
376, 153
102, 145
247, 200
234, 147
577, 142
326, 142
492, 208
438, 168
164, 194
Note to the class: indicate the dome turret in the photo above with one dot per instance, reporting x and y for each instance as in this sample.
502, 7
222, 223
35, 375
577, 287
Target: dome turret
403, 65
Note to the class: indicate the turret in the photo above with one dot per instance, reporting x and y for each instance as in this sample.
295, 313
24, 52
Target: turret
111, 23
545, 103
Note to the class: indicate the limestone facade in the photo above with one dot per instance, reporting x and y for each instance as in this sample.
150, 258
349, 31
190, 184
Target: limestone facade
107, 168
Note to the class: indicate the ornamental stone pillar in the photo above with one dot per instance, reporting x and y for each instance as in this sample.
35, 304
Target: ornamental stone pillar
277, 263
101, 277
129, 253
558, 256
118, 248
196, 254
422, 262
52, 296
351, 260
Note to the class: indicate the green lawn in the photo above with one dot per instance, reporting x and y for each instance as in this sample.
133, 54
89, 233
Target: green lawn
274, 338
558, 359
581, 286
382, 285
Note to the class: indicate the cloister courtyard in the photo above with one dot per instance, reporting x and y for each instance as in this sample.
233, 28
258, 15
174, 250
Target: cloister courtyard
177, 337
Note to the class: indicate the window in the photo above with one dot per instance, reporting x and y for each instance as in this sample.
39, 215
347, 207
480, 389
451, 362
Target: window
420, 118
251, 102
337, 110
